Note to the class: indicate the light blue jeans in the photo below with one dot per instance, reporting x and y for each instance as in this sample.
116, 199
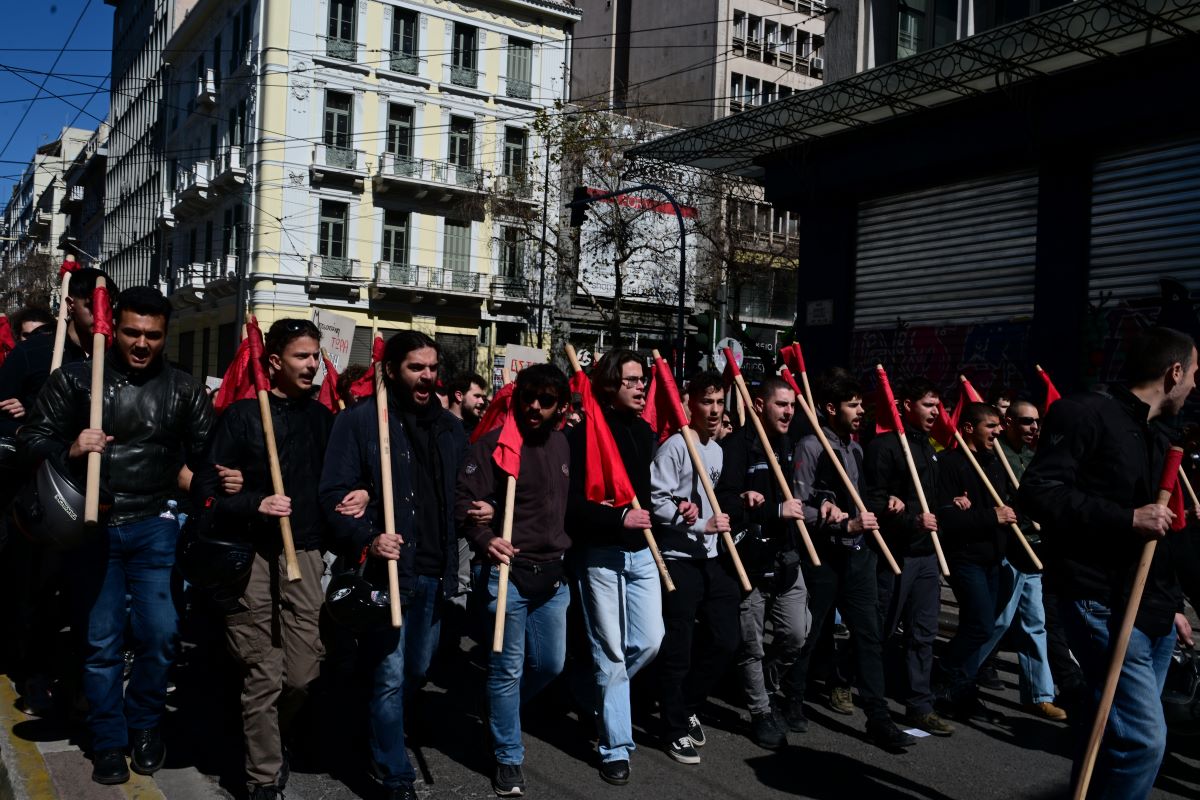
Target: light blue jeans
622, 611
1136, 737
535, 649
1024, 606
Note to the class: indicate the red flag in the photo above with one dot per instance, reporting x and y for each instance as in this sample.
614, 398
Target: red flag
102, 319
238, 383
944, 425
69, 265
257, 372
969, 390
1170, 482
365, 386
650, 411
793, 357
887, 414
507, 454
668, 412
1051, 392
605, 478
786, 374
7, 343
328, 395
494, 415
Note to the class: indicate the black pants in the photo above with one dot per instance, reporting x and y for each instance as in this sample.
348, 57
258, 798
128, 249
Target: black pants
1067, 674
914, 596
977, 588
702, 634
846, 578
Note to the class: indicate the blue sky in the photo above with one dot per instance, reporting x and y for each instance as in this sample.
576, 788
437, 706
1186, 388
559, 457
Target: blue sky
31, 35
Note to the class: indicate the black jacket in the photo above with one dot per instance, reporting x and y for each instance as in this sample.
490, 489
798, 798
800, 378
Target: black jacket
972, 535
25, 371
1098, 459
887, 475
746, 469
593, 523
352, 462
302, 430
160, 419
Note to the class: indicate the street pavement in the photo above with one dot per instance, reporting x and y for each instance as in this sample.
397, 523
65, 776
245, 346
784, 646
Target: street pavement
1024, 758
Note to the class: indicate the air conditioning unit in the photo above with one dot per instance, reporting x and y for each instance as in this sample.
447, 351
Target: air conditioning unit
817, 63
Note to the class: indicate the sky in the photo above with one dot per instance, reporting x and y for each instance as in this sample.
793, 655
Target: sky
31, 35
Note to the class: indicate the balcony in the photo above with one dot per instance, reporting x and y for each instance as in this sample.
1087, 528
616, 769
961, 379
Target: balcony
518, 89
72, 199
230, 169
39, 221
193, 189
419, 284
330, 275
206, 89
338, 163
166, 213
404, 63
516, 187
341, 49
422, 177
67, 241
197, 275
465, 77
506, 293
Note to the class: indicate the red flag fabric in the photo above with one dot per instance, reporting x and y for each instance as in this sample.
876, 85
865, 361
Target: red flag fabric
257, 372
668, 414
328, 395
887, 414
365, 386
945, 425
1051, 392
793, 357
969, 391
496, 412
102, 319
605, 478
1170, 482
69, 265
786, 374
507, 454
1176, 505
7, 343
650, 412
238, 383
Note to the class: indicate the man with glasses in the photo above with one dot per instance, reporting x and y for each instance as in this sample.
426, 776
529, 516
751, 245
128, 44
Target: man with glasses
535, 628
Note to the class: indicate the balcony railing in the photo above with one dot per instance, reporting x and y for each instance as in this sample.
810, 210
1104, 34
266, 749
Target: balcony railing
194, 179
519, 89
338, 160
341, 49
507, 288
39, 220
452, 280
229, 167
396, 274
517, 186
72, 198
396, 170
197, 275
406, 63
330, 268
464, 76
206, 88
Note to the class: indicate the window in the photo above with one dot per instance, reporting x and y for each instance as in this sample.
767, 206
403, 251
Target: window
208, 243
456, 247
925, 24
212, 141
739, 25
515, 141
332, 240
395, 245
337, 130
340, 43
237, 125
404, 41
191, 247
512, 253
462, 56
399, 134
462, 135
217, 62
735, 92
520, 69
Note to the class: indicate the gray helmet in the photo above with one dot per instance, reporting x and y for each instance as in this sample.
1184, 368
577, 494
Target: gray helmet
49, 508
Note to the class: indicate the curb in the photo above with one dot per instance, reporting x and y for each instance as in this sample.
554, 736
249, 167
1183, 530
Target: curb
23, 771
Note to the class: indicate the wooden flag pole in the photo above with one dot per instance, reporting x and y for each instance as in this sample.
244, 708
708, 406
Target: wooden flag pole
60, 331
850, 487
1012, 477
1187, 485
385, 480
784, 485
701, 471
1120, 646
510, 500
1016, 529
91, 497
649, 534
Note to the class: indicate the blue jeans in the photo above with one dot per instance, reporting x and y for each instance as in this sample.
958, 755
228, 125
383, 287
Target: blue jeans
622, 611
535, 649
422, 629
977, 588
123, 574
1136, 737
1025, 607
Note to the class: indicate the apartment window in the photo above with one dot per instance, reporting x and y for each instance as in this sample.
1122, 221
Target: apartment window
768, 92
332, 239
399, 133
217, 62
212, 141
338, 129
404, 41
462, 56
456, 247
515, 143
462, 135
191, 247
735, 92
750, 95
237, 125
739, 25
925, 24
208, 242
340, 42
512, 253
395, 240
520, 69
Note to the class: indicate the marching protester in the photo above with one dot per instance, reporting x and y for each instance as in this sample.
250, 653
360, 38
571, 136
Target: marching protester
272, 627
976, 535
913, 597
846, 577
618, 582
756, 505
701, 615
427, 444
467, 397
535, 627
28, 320
1092, 485
156, 419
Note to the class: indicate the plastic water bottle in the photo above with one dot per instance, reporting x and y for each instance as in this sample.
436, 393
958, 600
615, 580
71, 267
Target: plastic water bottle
170, 512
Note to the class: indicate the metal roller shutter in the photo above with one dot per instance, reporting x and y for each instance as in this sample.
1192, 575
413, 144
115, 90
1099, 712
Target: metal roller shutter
959, 253
1145, 222
360, 347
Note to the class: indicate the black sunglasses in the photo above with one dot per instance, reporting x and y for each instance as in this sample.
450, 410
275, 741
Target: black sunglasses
544, 399
1027, 420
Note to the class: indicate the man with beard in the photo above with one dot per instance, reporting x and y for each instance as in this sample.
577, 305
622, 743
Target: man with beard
914, 596
535, 627
467, 397
756, 505
706, 590
427, 444
156, 419
846, 578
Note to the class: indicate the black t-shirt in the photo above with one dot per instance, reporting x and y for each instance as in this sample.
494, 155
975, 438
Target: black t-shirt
428, 500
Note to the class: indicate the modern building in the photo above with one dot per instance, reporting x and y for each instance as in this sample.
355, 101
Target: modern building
370, 159
83, 200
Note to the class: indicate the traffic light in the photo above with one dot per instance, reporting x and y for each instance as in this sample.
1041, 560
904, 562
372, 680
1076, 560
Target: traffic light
578, 205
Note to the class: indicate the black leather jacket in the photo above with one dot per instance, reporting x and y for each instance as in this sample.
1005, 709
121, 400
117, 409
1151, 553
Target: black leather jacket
159, 418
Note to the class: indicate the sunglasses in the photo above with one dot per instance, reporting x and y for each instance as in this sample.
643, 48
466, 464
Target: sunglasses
1027, 420
633, 382
297, 325
544, 399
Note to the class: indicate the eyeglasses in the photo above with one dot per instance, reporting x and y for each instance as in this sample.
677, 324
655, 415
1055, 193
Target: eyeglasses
631, 383
1027, 420
544, 399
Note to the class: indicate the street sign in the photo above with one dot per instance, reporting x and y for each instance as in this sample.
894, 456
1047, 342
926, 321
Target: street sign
719, 357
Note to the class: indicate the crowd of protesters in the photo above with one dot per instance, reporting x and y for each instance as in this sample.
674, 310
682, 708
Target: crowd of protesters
476, 509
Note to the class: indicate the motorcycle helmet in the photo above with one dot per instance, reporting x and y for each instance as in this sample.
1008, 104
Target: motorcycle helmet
355, 604
209, 560
49, 508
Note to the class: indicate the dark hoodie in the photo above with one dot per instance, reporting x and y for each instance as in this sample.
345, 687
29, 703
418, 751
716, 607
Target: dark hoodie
593, 523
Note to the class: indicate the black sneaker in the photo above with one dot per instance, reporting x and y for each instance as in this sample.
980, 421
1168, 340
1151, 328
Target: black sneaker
696, 731
402, 793
792, 711
765, 731
508, 781
885, 734
109, 768
265, 793
681, 750
615, 772
147, 752
972, 707
989, 677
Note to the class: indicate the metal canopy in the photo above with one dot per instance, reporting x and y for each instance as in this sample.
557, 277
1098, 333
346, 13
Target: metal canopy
1063, 38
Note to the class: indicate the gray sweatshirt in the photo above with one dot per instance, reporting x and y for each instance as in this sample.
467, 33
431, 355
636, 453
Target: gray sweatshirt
672, 479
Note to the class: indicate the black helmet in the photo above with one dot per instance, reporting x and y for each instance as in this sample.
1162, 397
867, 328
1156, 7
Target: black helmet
208, 560
357, 605
1181, 695
49, 508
